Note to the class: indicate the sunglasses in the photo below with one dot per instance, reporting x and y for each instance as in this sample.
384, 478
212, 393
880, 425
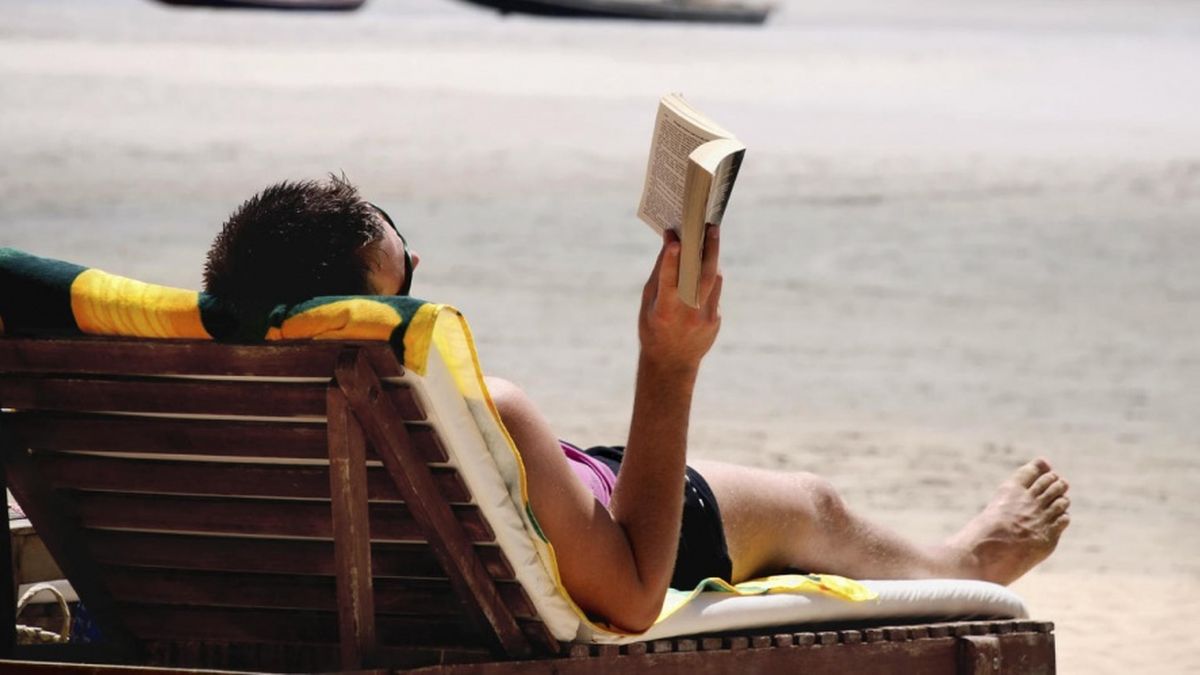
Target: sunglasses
408, 264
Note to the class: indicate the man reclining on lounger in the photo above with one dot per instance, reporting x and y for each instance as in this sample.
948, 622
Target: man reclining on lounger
614, 516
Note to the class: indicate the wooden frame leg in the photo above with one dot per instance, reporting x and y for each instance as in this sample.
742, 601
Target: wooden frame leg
8, 578
979, 655
351, 533
384, 428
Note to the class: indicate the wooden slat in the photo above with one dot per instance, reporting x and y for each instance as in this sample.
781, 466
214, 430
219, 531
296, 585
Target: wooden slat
445, 532
179, 396
305, 626
237, 625
394, 596
218, 438
69, 660
285, 591
220, 589
112, 474
928, 657
351, 533
164, 396
117, 356
286, 556
122, 433
405, 631
226, 656
283, 658
262, 517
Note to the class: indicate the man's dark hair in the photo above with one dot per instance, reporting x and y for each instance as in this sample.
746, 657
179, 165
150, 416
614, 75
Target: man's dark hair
291, 242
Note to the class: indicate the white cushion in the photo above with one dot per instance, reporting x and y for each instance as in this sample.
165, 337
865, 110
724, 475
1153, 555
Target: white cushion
947, 599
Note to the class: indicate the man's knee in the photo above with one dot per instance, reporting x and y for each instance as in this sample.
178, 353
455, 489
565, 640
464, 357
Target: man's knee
826, 504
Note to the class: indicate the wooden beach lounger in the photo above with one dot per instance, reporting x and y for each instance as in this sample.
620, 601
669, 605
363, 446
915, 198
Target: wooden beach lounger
187, 555
307, 505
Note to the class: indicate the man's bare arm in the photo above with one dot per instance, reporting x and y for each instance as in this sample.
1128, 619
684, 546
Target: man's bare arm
617, 563
647, 501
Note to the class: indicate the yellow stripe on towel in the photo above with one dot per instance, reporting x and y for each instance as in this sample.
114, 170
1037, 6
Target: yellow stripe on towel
418, 337
353, 319
822, 584
106, 304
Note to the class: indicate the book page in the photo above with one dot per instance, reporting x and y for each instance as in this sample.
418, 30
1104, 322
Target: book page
662, 195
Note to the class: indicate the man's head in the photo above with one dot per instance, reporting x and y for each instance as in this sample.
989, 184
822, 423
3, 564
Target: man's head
295, 241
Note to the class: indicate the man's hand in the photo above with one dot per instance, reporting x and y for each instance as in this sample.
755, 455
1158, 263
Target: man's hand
674, 335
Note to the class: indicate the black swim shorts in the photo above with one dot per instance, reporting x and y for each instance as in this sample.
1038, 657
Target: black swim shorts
702, 552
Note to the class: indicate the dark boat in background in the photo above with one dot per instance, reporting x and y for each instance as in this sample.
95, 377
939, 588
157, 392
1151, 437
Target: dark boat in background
309, 5
651, 10
710, 11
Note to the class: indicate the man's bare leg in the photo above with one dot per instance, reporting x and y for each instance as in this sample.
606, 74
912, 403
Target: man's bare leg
776, 521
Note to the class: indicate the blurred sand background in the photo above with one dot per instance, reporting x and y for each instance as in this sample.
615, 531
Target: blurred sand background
966, 232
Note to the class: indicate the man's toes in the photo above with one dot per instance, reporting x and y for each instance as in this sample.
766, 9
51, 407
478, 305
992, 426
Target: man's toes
1029, 473
1057, 489
1058, 507
1043, 483
1060, 523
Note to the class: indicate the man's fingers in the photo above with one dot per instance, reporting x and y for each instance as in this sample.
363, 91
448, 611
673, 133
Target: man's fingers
712, 253
652, 282
668, 268
712, 305
710, 269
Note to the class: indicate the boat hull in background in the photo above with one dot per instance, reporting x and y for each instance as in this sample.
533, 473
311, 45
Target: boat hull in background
302, 5
670, 10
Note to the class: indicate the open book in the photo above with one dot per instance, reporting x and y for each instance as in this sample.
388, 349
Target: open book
693, 164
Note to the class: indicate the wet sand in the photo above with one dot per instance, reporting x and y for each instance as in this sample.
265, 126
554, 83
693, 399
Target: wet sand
965, 234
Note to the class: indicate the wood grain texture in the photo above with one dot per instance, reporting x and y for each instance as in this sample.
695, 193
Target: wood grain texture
180, 396
284, 556
157, 622
260, 517
67, 431
133, 356
347, 481
402, 597
163, 396
168, 477
979, 655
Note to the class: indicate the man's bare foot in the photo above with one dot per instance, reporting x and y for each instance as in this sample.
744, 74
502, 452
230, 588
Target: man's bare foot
1018, 529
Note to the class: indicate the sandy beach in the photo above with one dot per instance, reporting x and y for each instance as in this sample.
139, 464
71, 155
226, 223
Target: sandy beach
966, 233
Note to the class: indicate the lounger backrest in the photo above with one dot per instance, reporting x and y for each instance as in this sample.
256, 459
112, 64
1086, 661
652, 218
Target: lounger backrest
184, 488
